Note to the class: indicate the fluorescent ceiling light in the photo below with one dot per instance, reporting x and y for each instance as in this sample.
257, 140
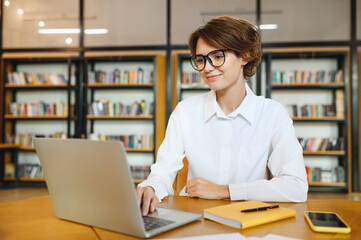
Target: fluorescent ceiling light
59, 31
72, 31
96, 31
268, 26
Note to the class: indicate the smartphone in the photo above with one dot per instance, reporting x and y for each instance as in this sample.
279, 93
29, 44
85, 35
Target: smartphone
326, 222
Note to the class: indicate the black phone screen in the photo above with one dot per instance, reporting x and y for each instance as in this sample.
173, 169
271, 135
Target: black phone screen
325, 219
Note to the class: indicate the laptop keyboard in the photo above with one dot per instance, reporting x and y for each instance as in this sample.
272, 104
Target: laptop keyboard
153, 222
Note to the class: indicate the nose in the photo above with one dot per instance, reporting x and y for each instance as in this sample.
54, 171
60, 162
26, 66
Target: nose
209, 65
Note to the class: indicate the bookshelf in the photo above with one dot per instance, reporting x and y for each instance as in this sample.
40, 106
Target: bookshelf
125, 100
186, 81
38, 98
313, 87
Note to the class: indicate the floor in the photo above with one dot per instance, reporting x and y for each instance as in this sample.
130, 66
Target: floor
8, 195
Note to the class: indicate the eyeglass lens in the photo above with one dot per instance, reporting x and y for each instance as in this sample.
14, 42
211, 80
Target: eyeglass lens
215, 58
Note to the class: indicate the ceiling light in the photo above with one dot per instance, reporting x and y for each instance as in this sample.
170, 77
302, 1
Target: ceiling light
20, 11
41, 23
268, 26
96, 31
68, 41
7, 3
72, 31
59, 31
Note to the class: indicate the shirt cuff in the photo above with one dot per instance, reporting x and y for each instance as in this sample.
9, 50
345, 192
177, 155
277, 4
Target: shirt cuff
237, 191
159, 191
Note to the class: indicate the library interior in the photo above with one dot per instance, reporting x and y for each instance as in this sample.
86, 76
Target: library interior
114, 70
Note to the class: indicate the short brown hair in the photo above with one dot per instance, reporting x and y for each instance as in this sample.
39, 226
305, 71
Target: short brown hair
231, 33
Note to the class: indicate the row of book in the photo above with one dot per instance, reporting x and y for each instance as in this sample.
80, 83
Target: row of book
192, 77
26, 140
326, 175
313, 110
25, 78
107, 108
24, 170
139, 172
39, 109
299, 77
140, 76
30, 171
340, 102
322, 144
129, 141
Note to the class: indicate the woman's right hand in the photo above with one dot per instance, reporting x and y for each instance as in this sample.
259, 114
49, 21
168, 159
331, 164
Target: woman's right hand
147, 199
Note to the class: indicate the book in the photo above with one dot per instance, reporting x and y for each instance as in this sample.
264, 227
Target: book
232, 216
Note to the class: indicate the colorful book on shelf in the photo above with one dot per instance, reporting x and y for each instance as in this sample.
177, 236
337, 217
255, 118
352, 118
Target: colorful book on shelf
232, 216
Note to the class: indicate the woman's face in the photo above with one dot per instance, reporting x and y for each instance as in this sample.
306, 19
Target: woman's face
225, 76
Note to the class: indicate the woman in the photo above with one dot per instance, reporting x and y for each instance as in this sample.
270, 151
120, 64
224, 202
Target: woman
229, 135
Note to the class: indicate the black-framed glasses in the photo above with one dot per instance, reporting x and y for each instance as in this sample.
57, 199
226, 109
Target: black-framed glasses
216, 58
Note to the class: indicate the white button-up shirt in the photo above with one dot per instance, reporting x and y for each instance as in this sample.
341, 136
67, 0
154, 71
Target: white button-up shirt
234, 149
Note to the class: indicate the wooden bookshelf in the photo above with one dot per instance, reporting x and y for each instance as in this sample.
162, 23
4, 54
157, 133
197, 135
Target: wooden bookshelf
326, 184
9, 178
341, 85
27, 179
31, 86
335, 153
137, 181
24, 179
104, 117
33, 149
7, 146
318, 118
152, 93
332, 61
53, 92
157, 64
120, 85
139, 149
9, 116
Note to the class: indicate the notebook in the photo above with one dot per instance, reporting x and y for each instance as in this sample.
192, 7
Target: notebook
89, 182
232, 216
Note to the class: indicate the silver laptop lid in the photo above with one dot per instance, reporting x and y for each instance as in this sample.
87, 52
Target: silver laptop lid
89, 182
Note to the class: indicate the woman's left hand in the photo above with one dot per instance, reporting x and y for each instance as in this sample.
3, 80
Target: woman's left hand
202, 188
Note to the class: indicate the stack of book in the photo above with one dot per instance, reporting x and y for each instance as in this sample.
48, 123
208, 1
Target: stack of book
306, 77
192, 78
9, 169
121, 76
340, 103
39, 109
322, 144
311, 110
26, 140
129, 141
139, 172
107, 108
325, 175
30, 171
23, 78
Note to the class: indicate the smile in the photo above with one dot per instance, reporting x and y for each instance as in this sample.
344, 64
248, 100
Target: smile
213, 77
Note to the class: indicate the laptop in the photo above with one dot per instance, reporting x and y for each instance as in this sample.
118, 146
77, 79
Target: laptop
89, 182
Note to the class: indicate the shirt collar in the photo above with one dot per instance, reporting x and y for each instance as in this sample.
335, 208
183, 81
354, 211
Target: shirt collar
246, 109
